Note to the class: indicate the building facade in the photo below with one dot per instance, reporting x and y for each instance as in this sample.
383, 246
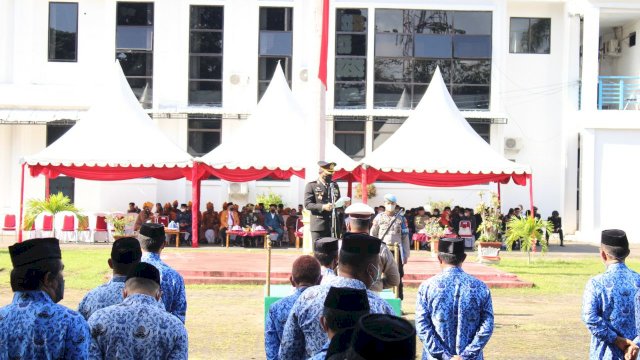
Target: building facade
548, 83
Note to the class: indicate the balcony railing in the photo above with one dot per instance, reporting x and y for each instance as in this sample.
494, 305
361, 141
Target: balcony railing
618, 92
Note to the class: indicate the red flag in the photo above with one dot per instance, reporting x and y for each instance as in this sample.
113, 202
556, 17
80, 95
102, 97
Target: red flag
324, 43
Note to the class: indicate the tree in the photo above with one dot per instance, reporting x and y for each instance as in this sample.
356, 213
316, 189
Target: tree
530, 231
53, 205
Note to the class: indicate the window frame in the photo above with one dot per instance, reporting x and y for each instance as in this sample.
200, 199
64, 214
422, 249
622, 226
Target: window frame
191, 130
75, 59
286, 67
220, 55
337, 83
529, 52
362, 132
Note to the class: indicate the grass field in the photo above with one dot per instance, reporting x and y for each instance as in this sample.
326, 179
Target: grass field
225, 322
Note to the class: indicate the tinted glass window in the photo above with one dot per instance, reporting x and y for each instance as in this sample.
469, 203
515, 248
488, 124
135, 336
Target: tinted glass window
432, 21
530, 35
135, 14
349, 136
351, 58
276, 43
204, 133
63, 31
205, 55
472, 23
433, 46
472, 46
351, 20
350, 69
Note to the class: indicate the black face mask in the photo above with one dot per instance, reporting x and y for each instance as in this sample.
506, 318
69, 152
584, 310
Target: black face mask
327, 178
59, 290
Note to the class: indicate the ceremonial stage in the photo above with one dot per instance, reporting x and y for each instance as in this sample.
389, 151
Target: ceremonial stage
241, 267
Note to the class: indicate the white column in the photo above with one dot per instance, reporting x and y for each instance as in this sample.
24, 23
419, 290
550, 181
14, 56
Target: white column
590, 45
313, 94
587, 226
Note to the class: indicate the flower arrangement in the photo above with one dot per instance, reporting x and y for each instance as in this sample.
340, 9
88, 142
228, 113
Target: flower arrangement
119, 222
433, 229
371, 191
490, 212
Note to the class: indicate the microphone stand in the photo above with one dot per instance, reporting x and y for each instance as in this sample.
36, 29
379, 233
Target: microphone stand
332, 186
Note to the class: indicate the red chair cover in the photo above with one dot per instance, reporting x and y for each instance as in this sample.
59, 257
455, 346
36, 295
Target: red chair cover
69, 223
101, 223
47, 223
164, 220
9, 222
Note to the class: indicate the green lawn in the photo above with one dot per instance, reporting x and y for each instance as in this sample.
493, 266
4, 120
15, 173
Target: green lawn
225, 321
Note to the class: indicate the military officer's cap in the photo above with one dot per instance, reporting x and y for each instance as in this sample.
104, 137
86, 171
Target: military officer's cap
381, 336
359, 210
451, 246
327, 166
614, 237
151, 230
326, 245
347, 299
34, 250
361, 244
145, 271
126, 250
391, 198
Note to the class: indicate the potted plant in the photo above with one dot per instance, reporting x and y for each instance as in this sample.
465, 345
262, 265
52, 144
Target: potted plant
529, 231
371, 191
434, 232
119, 222
54, 204
488, 242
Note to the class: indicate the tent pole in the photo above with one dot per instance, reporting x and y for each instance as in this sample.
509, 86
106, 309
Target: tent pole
363, 185
195, 205
531, 194
47, 191
350, 186
21, 202
499, 197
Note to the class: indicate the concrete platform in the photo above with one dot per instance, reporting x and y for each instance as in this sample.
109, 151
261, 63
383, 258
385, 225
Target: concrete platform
204, 267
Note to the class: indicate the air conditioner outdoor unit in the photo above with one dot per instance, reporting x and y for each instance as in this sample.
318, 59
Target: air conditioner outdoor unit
512, 144
238, 189
612, 48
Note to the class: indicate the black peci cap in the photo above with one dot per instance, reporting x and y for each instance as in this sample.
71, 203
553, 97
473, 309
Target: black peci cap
451, 246
145, 271
126, 250
326, 245
614, 237
363, 244
151, 230
347, 299
34, 250
380, 336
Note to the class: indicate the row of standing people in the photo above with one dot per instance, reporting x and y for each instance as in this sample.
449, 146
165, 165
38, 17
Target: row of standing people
139, 314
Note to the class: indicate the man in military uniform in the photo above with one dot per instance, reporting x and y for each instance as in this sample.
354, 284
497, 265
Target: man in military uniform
139, 327
392, 231
151, 239
34, 326
317, 199
125, 254
359, 216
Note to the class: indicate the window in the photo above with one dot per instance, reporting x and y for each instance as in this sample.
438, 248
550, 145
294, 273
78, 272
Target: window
351, 58
384, 127
530, 36
63, 31
632, 39
410, 44
205, 55
482, 128
276, 44
204, 133
349, 135
134, 47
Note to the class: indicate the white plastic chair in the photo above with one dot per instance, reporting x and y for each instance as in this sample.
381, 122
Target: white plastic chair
98, 229
44, 225
66, 226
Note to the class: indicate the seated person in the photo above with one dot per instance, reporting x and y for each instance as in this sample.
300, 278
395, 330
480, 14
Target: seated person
556, 221
210, 224
250, 219
184, 222
273, 222
228, 219
144, 216
292, 225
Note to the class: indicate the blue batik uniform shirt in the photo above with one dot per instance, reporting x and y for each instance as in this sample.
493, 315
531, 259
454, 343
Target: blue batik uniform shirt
302, 336
137, 328
327, 275
274, 323
610, 308
34, 327
454, 315
104, 295
172, 284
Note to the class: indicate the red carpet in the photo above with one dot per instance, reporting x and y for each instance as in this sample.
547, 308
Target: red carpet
201, 267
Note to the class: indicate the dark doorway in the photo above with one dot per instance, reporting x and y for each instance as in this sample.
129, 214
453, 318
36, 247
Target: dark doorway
63, 184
